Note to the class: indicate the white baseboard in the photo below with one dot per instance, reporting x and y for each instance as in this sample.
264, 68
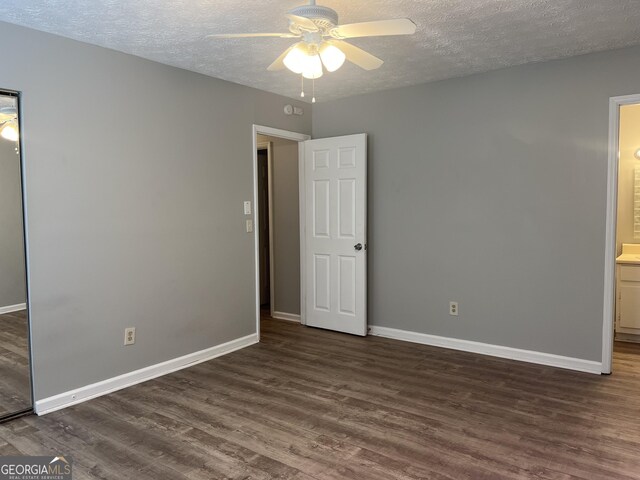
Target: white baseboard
82, 394
13, 308
290, 317
530, 356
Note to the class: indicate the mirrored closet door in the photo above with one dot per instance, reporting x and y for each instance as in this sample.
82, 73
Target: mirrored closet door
15, 370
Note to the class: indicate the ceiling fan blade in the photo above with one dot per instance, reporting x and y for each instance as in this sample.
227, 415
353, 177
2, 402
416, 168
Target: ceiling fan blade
252, 35
278, 63
303, 22
357, 55
399, 26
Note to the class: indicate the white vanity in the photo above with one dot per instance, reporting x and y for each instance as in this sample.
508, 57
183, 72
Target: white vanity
628, 293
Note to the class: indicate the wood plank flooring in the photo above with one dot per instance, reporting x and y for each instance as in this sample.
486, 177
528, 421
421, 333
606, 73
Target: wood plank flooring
15, 383
310, 404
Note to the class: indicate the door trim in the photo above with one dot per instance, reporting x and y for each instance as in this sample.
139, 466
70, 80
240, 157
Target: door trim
610, 223
288, 135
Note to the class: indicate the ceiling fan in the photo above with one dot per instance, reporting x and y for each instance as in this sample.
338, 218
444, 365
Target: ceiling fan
322, 40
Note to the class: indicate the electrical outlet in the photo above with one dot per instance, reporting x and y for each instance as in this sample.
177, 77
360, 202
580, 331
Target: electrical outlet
249, 226
129, 335
453, 308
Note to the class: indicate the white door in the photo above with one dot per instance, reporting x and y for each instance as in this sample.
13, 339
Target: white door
335, 236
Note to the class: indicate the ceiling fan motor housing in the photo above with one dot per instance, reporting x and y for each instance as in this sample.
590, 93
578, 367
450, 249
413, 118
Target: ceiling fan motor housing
324, 17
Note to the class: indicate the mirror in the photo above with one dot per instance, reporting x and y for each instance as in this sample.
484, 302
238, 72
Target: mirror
15, 377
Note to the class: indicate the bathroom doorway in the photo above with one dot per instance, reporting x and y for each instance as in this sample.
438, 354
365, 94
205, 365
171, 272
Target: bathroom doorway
621, 326
627, 312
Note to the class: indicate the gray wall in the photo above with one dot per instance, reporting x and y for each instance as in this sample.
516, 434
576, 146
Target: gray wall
12, 274
629, 143
136, 173
490, 190
286, 224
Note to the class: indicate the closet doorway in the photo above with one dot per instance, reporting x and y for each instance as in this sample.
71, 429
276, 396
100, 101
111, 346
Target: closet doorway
15, 361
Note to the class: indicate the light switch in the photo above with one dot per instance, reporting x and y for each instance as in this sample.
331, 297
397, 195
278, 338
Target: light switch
249, 226
247, 208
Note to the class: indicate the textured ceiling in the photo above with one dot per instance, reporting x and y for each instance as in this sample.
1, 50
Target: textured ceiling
454, 37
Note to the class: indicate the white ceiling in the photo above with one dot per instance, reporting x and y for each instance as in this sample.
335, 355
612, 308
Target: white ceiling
7, 101
454, 37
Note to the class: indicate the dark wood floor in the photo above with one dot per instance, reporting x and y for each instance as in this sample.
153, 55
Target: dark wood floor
312, 404
15, 384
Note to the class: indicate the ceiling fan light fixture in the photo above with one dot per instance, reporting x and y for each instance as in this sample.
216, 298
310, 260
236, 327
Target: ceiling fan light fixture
9, 131
313, 67
304, 59
332, 57
296, 58
321, 41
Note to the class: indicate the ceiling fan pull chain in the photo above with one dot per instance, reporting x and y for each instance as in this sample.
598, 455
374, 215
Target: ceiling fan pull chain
313, 90
302, 87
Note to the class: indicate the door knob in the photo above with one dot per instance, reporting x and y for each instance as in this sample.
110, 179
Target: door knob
358, 246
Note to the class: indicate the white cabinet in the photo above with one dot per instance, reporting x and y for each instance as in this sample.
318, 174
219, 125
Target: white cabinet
628, 293
629, 307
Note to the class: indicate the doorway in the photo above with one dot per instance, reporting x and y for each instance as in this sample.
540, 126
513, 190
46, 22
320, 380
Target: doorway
15, 358
621, 322
277, 227
325, 240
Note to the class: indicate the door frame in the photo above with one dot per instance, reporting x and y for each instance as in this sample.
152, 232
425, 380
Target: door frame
611, 223
296, 137
268, 147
